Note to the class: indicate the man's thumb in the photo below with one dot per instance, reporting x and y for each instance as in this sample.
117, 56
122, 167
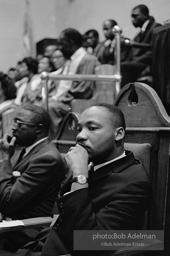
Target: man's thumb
12, 142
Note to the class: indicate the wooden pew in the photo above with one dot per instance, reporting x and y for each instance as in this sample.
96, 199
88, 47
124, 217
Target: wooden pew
148, 122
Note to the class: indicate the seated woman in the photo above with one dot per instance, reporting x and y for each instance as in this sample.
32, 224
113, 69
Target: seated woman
7, 95
59, 59
36, 94
29, 80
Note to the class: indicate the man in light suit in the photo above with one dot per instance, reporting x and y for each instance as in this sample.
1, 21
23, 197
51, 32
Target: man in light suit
78, 62
29, 184
112, 197
140, 48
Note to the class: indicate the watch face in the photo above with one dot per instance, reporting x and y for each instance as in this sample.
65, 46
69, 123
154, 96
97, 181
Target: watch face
82, 179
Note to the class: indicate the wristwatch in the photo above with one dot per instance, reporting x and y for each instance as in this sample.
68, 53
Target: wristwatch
81, 179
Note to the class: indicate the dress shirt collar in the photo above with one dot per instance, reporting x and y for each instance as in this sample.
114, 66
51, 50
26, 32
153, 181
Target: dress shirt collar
143, 28
96, 167
28, 149
81, 51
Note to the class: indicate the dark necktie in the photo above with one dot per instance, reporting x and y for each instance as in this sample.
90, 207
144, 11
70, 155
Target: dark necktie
140, 36
21, 155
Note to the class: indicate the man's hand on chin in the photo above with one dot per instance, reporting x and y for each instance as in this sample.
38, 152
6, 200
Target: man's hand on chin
7, 144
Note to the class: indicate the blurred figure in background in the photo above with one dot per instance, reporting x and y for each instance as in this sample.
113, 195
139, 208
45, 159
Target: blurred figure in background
35, 94
12, 73
30, 67
7, 96
49, 50
139, 59
28, 71
59, 58
91, 40
45, 64
79, 62
105, 51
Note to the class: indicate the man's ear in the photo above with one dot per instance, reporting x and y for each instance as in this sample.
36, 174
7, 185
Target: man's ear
38, 130
120, 134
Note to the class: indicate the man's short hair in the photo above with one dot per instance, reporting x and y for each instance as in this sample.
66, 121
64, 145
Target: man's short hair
31, 63
73, 35
93, 31
143, 8
118, 116
112, 22
40, 116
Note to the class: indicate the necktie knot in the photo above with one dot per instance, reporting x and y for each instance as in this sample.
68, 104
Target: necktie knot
91, 167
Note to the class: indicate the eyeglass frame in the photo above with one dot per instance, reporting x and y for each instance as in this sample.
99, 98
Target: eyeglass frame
17, 123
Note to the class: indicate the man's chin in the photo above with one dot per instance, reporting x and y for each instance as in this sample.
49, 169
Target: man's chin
18, 144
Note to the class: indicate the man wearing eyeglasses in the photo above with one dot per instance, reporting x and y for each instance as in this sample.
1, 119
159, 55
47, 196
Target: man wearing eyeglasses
30, 183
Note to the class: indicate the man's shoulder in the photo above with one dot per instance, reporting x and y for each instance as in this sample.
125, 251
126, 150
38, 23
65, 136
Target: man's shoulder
88, 64
136, 171
89, 57
99, 46
46, 149
153, 24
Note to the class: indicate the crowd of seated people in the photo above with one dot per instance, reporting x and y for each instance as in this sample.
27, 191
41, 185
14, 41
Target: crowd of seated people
76, 53
7, 95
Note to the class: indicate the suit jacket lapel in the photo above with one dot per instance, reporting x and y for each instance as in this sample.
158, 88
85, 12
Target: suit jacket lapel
148, 31
143, 37
26, 158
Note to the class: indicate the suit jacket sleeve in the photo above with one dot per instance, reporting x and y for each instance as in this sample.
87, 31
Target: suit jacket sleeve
121, 212
38, 174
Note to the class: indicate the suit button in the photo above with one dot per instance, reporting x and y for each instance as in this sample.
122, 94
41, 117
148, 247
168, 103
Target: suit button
56, 226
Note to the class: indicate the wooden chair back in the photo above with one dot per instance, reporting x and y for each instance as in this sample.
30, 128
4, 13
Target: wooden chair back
67, 133
148, 122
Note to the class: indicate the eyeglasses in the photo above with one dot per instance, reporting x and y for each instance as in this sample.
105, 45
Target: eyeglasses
17, 124
58, 56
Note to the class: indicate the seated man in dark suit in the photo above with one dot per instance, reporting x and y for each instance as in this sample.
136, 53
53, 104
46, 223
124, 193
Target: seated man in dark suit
30, 183
105, 51
140, 53
112, 197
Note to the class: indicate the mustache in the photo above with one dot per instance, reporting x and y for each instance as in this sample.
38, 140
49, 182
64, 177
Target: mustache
82, 144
